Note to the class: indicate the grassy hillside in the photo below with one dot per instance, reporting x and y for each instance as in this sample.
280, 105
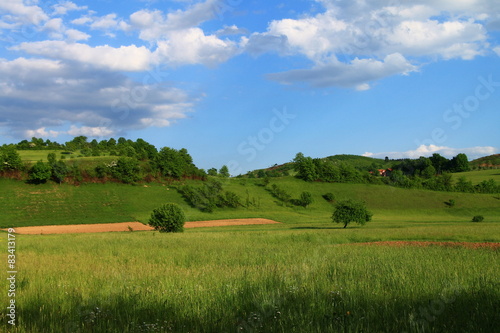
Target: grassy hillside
486, 161
360, 162
46, 204
478, 176
37, 155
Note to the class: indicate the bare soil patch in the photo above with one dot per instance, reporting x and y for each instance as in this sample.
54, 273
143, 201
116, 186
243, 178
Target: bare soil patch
124, 226
472, 245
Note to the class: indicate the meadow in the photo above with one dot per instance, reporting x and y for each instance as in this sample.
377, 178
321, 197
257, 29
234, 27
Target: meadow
279, 278
306, 274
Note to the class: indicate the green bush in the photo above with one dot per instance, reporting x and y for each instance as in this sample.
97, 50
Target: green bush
168, 218
478, 218
348, 211
40, 173
305, 199
329, 197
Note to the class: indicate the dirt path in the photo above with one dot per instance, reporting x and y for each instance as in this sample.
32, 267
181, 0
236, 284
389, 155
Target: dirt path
136, 226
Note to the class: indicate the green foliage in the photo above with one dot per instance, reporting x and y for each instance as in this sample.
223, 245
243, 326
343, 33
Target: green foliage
126, 170
11, 160
347, 211
329, 196
175, 163
168, 218
487, 186
52, 158
212, 172
305, 167
40, 173
59, 171
224, 171
280, 193
459, 163
478, 218
450, 203
210, 196
464, 185
305, 199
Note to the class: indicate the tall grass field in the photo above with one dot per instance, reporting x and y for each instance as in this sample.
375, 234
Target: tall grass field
306, 274
249, 279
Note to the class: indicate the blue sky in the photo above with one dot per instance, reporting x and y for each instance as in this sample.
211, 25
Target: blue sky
251, 83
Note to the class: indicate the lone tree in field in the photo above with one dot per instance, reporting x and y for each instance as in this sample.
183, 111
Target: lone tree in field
168, 218
348, 211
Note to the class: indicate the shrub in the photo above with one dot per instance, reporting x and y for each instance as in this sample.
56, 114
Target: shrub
280, 193
478, 218
450, 203
40, 173
305, 199
329, 197
168, 218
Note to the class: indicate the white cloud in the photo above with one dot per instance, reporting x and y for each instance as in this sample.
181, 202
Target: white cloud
125, 58
497, 50
428, 150
90, 131
82, 20
108, 22
355, 74
74, 35
65, 6
448, 39
231, 30
352, 34
192, 46
41, 133
38, 94
19, 12
153, 25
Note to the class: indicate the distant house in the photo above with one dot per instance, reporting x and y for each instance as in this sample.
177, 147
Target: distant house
384, 172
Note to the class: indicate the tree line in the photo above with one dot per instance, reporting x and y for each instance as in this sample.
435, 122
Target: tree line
132, 161
433, 173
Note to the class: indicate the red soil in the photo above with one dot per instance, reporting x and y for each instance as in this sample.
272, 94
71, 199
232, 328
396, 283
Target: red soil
136, 226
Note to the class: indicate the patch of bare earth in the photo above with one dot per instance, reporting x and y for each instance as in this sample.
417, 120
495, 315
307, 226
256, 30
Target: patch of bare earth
128, 226
472, 245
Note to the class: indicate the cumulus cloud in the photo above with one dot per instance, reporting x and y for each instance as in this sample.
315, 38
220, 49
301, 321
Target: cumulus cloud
41, 133
356, 74
64, 7
125, 58
178, 38
352, 35
17, 12
428, 150
93, 101
192, 46
154, 25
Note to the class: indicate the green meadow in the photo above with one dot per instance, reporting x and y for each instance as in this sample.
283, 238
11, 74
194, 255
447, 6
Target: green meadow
280, 278
306, 274
478, 176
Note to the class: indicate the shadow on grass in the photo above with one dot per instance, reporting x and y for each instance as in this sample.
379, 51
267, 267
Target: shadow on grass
318, 228
283, 309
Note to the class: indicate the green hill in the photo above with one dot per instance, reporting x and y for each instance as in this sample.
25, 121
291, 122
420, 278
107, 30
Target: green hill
46, 204
486, 161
